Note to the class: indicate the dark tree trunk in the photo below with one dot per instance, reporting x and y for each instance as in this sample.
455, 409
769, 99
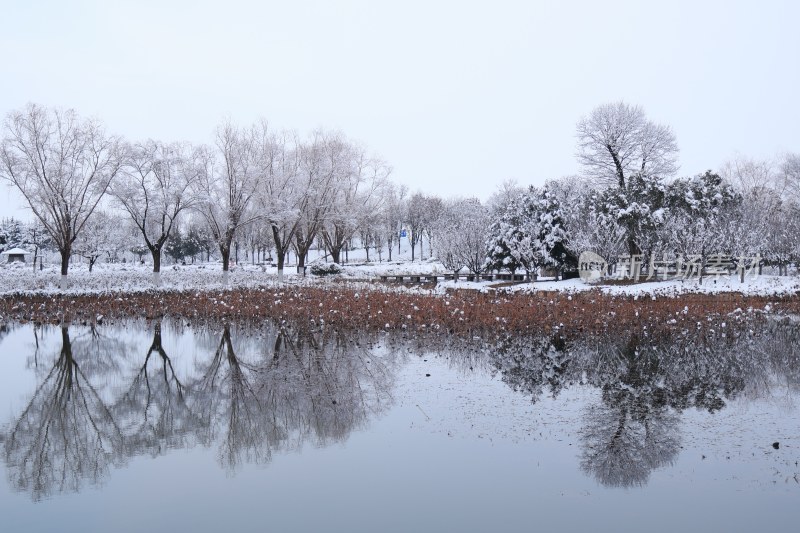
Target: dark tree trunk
65, 254
225, 252
155, 251
281, 257
633, 248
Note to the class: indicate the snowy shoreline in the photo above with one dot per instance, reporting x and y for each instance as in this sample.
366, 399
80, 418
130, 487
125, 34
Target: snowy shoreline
20, 280
356, 299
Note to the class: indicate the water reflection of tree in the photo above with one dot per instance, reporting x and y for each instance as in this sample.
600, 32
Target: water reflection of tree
309, 384
261, 390
153, 410
66, 435
533, 364
646, 381
227, 402
269, 389
633, 430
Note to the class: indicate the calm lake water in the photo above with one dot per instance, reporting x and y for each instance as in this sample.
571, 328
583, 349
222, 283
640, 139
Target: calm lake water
143, 426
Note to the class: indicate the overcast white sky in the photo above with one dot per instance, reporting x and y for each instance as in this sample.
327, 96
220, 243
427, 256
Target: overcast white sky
457, 96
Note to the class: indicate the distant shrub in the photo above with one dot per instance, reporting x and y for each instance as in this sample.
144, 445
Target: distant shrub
325, 269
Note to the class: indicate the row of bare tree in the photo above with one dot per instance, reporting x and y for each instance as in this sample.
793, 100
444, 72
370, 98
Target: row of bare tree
296, 190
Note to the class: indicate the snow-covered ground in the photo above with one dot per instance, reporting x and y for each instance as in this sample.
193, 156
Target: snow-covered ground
15, 278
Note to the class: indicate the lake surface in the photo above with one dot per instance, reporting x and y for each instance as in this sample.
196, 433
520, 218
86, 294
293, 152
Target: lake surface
166, 426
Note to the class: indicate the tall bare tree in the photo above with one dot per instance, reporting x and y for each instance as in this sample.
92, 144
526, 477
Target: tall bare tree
62, 165
359, 194
324, 162
226, 187
282, 193
156, 187
616, 140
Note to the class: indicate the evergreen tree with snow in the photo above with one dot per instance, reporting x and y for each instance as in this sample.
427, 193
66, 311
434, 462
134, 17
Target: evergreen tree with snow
12, 234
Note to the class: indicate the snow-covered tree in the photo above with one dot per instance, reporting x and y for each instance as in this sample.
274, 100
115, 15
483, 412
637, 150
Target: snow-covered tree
38, 239
700, 211
616, 141
156, 186
392, 216
506, 193
228, 181
324, 162
639, 208
282, 193
460, 235
790, 176
358, 194
62, 165
553, 237
99, 238
510, 244
422, 213
531, 233
12, 234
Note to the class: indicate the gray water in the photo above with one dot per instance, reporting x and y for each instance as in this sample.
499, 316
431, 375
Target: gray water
140, 426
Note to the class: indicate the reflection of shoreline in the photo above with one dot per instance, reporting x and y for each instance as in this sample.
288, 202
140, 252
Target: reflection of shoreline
256, 392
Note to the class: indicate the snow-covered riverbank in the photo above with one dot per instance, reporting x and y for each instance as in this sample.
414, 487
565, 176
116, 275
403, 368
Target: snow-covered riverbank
132, 278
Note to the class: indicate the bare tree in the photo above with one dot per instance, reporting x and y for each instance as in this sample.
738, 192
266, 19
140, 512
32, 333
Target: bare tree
460, 235
226, 189
790, 176
99, 237
421, 215
748, 174
616, 140
324, 161
282, 193
63, 166
506, 193
359, 194
155, 188
392, 216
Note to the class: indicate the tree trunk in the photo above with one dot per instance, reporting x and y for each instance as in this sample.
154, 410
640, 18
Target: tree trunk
225, 253
633, 249
155, 251
281, 257
65, 254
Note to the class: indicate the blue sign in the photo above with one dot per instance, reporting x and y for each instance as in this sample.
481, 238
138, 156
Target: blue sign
403, 233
